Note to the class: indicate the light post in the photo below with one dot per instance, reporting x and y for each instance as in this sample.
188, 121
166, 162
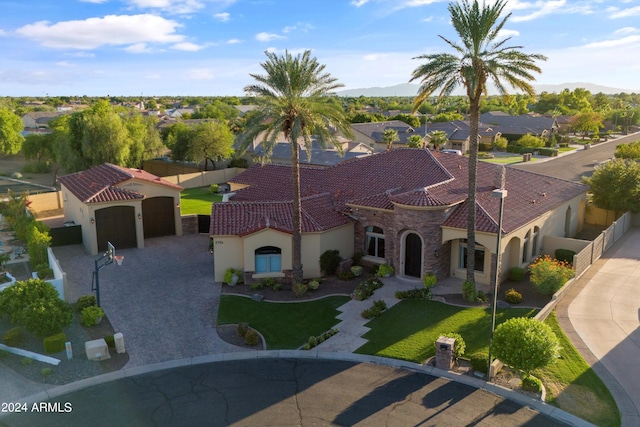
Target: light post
499, 194
110, 255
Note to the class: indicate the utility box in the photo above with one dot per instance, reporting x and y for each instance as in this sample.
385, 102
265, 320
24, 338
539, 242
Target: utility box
119, 341
97, 350
444, 353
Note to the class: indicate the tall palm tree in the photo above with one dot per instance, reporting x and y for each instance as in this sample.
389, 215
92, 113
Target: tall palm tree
480, 57
389, 136
438, 139
292, 101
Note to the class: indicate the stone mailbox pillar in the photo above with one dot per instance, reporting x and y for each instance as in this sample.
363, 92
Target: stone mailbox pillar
119, 342
444, 352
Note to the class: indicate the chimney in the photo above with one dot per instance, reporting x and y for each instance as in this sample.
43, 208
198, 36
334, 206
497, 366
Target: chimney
500, 177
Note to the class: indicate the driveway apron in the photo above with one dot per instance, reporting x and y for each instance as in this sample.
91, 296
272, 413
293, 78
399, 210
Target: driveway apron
163, 297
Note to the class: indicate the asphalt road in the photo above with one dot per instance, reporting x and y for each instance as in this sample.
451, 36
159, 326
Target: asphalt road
580, 163
282, 392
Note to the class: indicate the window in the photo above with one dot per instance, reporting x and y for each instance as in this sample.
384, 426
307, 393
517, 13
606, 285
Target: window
525, 247
536, 233
268, 259
374, 243
479, 256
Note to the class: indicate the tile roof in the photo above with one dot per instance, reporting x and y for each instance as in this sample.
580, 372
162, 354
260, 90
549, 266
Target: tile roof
410, 177
100, 183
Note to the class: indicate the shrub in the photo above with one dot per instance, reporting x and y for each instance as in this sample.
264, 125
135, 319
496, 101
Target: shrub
277, 286
516, 274
46, 371
469, 291
512, 296
268, 282
532, 384
44, 272
484, 146
429, 280
357, 258
238, 163
549, 152
565, 255
91, 315
54, 343
38, 241
385, 270
376, 309
356, 270
256, 286
242, 329
14, 337
36, 167
366, 288
424, 293
26, 361
346, 275
548, 275
313, 285
251, 337
459, 346
525, 344
110, 340
480, 362
315, 340
481, 296
329, 261
228, 276
85, 301
500, 143
299, 289
530, 141
512, 148
213, 189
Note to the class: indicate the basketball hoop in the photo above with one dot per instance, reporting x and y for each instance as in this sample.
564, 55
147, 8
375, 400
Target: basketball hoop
118, 259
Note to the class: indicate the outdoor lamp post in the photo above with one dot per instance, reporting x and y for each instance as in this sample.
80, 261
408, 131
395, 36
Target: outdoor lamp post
499, 194
110, 256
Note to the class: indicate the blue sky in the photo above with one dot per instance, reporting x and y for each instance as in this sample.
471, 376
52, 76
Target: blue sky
209, 47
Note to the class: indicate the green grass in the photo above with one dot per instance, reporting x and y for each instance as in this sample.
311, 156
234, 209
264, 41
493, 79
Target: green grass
283, 325
197, 201
409, 329
574, 387
566, 149
506, 160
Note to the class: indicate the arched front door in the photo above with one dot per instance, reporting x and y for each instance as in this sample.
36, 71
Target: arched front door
413, 255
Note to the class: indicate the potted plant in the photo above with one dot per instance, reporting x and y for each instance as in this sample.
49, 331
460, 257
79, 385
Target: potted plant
385, 270
231, 277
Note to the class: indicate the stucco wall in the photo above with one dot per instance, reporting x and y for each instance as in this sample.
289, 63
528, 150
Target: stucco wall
227, 254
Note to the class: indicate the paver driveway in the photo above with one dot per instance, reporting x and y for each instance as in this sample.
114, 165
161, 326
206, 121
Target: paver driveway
163, 298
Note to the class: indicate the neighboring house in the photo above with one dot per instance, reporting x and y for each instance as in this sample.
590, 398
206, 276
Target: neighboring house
40, 119
514, 127
458, 132
120, 205
406, 207
176, 113
371, 133
244, 109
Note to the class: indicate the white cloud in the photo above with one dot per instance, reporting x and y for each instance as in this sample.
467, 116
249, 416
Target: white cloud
358, 3
300, 26
94, 1
65, 64
627, 30
428, 19
629, 40
418, 3
96, 32
201, 74
139, 48
625, 13
177, 6
503, 34
543, 8
234, 41
81, 55
267, 37
188, 47
222, 17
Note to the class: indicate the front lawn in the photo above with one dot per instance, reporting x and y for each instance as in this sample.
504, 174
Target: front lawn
505, 160
409, 329
283, 325
197, 201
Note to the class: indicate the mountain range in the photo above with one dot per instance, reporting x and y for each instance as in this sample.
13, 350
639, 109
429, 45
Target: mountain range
408, 89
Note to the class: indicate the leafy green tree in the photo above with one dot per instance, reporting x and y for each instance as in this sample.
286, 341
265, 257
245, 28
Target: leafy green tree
293, 100
501, 143
530, 141
415, 141
145, 141
10, 127
446, 117
389, 136
212, 141
38, 147
216, 110
178, 138
526, 344
439, 139
587, 122
616, 185
480, 56
408, 119
628, 151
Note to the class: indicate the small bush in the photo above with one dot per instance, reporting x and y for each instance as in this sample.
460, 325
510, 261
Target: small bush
549, 152
366, 288
329, 261
26, 361
269, 282
346, 275
429, 280
228, 276
299, 289
385, 270
512, 296
54, 343
565, 255
213, 189
242, 329
91, 315
481, 297
256, 286
480, 362
251, 337
459, 346
376, 309
3, 354
484, 146
313, 285
44, 272
469, 291
516, 274
46, 371
277, 286
356, 270
315, 340
548, 275
238, 163
531, 384
14, 337
110, 340
86, 301
417, 293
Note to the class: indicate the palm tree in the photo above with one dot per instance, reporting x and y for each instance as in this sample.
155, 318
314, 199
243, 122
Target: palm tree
292, 101
480, 57
389, 136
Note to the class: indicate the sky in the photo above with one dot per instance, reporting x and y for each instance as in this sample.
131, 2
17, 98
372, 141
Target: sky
209, 47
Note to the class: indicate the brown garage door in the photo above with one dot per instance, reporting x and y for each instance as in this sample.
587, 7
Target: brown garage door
117, 225
158, 215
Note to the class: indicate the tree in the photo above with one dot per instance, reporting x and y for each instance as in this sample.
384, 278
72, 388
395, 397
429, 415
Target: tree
292, 100
616, 185
409, 119
10, 128
389, 136
177, 138
38, 147
481, 56
587, 122
438, 139
628, 151
530, 141
212, 141
526, 344
415, 141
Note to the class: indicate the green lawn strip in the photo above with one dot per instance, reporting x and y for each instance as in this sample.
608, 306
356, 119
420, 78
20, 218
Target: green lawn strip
197, 201
283, 325
409, 329
565, 149
506, 160
574, 387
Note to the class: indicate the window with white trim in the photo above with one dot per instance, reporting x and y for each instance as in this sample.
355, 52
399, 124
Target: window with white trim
268, 259
374, 241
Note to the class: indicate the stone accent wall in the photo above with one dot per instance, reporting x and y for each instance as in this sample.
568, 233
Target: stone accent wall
382, 219
190, 224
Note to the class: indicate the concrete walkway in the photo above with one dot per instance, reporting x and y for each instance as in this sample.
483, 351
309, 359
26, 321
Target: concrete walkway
600, 317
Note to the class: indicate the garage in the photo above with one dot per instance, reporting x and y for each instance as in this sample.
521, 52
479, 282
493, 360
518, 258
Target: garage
116, 224
158, 214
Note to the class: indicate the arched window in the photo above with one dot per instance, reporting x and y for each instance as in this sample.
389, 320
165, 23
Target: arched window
374, 241
525, 247
268, 259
